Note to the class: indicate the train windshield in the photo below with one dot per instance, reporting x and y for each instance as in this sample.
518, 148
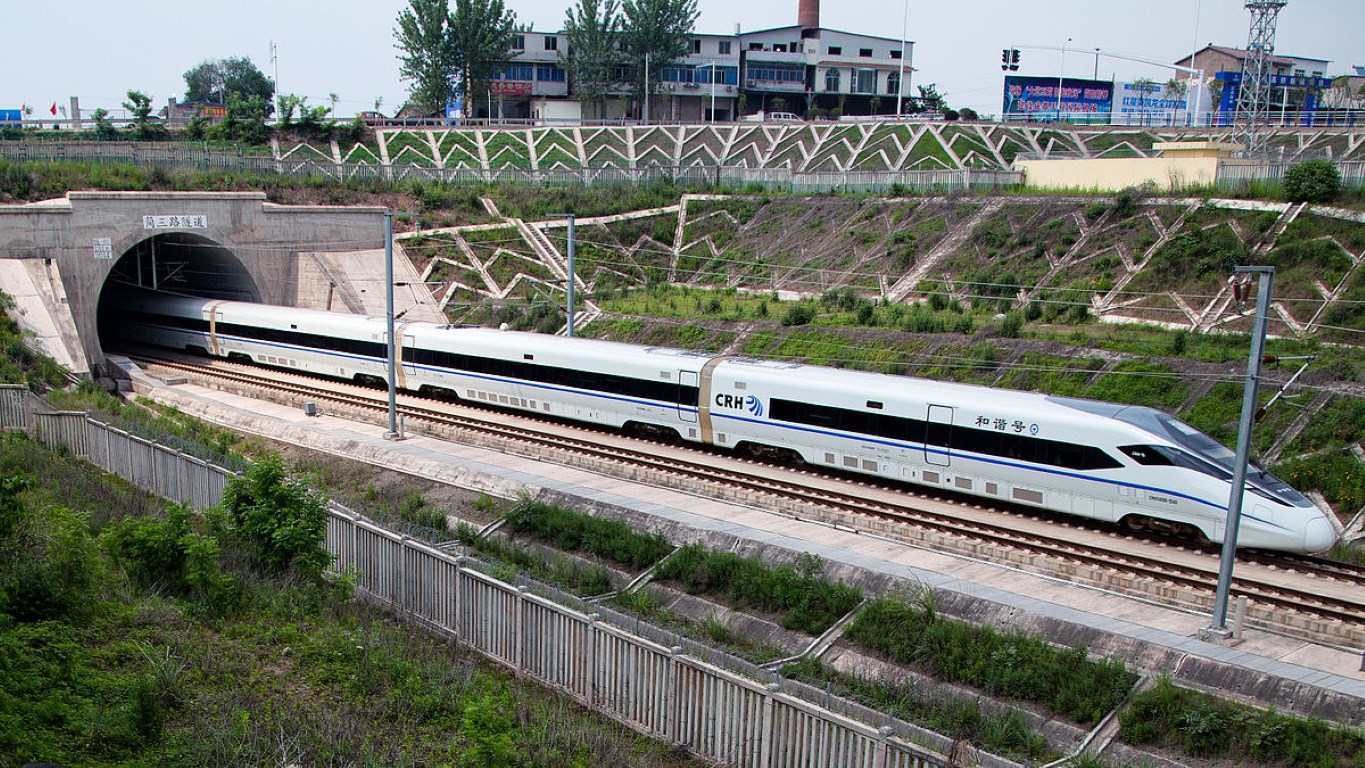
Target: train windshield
1211, 451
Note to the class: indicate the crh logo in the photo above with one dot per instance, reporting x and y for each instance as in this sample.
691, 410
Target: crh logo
754, 405
740, 403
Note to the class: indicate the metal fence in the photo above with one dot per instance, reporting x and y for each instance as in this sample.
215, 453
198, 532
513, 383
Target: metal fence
715, 713
172, 155
747, 718
1239, 174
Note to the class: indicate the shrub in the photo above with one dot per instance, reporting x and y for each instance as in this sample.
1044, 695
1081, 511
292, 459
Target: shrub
1125, 202
1012, 326
280, 518
1312, 181
15, 181
799, 314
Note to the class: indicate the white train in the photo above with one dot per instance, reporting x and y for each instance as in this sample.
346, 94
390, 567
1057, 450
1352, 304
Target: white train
1115, 463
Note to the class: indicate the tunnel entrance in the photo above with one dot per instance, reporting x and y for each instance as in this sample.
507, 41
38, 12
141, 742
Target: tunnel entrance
175, 262
183, 263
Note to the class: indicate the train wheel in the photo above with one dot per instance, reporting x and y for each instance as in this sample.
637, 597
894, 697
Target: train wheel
651, 431
1157, 525
771, 453
438, 393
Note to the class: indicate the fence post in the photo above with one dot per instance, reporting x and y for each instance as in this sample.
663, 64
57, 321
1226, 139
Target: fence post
671, 691
883, 748
766, 749
518, 628
355, 540
455, 589
401, 564
592, 659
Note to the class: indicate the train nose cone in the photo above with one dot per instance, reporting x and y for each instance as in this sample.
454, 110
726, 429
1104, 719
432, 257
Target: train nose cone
1319, 535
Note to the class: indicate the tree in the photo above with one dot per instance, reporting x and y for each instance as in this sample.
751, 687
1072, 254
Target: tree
656, 33
593, 32
482, 32
967, 113
427, 57
930, 100
244, 121
1312, 181
442, 51
103, 128
217, 80
1144, 86
140, 105
1176, 90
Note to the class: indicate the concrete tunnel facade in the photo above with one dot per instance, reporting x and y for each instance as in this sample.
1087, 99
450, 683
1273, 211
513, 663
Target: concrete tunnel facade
57, 257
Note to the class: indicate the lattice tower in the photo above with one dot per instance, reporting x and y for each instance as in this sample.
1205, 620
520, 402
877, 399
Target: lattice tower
1253, 101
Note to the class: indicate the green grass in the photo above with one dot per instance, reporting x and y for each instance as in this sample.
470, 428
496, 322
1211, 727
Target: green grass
1203, 726
1339, 476
1007, 735
573, 531
908, 630
806, 601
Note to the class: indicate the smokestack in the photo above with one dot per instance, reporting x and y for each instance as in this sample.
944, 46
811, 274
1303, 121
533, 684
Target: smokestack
808, 14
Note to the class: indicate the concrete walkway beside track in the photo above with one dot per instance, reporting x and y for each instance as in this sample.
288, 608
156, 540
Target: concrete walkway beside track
1292, 674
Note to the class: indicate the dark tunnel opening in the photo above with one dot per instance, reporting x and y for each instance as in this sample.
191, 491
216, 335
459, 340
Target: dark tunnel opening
175, 262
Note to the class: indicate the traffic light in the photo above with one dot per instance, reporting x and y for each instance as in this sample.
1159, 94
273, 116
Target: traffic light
1014, 59
1009, 59
1004, 59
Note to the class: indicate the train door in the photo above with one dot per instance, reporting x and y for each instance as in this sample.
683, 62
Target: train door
409, 342
938, 436
215, 317
687, 380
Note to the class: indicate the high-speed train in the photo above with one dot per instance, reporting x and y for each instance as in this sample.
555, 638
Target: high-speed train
1116, 463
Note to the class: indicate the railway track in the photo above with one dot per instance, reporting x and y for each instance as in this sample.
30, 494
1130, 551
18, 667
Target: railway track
1308, 597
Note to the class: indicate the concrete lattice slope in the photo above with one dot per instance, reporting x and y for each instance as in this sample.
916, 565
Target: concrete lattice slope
802, 148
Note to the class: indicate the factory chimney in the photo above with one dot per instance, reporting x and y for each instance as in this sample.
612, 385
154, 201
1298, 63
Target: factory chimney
808, 14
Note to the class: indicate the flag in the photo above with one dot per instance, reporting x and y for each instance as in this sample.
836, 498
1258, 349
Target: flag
54, 109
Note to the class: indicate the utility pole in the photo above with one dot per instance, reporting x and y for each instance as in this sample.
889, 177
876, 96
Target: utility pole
644, 109
572, 275
393, 433
1218, 630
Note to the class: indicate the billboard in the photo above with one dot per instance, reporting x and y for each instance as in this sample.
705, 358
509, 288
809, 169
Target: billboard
1148, 103
1037, 96
12, 117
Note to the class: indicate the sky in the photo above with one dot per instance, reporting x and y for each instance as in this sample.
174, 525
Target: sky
98, 51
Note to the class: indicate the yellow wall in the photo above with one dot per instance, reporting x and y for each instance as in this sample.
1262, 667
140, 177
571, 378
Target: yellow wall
1113, 174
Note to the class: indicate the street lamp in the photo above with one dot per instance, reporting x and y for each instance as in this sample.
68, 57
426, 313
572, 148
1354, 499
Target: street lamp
900, 78
712, 66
